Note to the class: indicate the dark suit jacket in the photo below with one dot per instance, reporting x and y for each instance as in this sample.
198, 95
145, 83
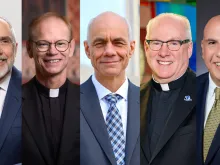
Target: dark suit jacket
35, 144
177, 143
95, 146
10, 122
213, 157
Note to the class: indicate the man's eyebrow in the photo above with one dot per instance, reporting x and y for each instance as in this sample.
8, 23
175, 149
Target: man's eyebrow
98, 39
119, 39
210, 39
5, 38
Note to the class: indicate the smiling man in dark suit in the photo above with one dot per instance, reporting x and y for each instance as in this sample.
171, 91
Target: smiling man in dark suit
109, 116
10, 97
168, 113
208, 95
50, 107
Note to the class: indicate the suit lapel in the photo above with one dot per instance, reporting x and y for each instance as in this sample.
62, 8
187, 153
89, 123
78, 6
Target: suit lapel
201, 97
144, 95
178, 115
71, 124
133, 119
33, 118
214, 147
91, 110
11, 107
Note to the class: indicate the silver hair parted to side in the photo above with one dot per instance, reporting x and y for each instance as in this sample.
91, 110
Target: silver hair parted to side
171, 15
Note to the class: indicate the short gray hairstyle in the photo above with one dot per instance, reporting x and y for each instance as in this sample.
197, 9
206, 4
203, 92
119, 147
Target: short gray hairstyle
130, 37
174, 16
11, 29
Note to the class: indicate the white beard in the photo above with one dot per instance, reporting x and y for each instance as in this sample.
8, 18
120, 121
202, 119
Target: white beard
4, 70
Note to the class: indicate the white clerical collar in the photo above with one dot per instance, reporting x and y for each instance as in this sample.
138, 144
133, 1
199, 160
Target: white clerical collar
54, 92
166, 86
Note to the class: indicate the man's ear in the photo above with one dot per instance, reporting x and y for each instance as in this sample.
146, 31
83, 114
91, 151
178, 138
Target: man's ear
132, 48
29, 47
190, 49
146, 47
202, 46
87, 49
72, 47
15, 48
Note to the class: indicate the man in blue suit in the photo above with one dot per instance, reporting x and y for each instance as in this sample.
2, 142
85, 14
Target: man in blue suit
208, 88
10, 98
109, 116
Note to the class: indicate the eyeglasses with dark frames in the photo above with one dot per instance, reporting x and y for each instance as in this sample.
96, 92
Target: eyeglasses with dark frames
173, 45
60, 45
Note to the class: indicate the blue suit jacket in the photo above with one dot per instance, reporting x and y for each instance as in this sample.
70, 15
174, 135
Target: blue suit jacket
213, 157
95, 146
10, 122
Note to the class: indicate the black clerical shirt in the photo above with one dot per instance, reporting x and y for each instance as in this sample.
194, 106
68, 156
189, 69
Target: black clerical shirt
161, 107
53, 109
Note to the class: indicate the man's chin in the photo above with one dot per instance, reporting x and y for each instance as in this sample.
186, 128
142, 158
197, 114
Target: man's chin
52, 72
4, 71
163, 78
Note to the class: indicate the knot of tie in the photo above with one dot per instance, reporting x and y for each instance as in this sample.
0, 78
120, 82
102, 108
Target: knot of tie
217, 93
113, 98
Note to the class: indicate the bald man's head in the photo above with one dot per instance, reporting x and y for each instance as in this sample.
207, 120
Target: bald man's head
3, 20
212, 24
108, 46
108, 18
8, 48
211, 48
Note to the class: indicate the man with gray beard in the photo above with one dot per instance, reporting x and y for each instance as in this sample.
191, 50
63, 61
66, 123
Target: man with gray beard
10, 97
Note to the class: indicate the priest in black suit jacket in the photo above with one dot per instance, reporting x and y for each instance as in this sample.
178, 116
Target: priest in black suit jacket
168, 112
50, 125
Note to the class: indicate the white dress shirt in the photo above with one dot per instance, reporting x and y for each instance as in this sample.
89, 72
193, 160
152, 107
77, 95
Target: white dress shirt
122, 104
210, 98
3, 90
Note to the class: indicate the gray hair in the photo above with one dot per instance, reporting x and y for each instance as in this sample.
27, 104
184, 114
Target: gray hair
130, 37
11, 29
181, 18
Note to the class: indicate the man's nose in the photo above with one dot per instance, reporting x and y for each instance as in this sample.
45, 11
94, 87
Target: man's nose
109, 49
164, 51
218, 50
52, 49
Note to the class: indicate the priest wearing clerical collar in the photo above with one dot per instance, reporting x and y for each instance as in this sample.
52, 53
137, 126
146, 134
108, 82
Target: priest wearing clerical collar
168, 113
50, 101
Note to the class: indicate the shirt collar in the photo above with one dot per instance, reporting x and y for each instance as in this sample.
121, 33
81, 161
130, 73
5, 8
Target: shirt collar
178, 83
103, 91
51, 92
5, 82
212, 86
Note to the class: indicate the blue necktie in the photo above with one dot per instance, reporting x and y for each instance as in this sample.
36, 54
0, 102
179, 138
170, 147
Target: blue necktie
115, 128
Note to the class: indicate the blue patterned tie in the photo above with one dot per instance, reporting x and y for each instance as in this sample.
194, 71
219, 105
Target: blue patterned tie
115, 128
